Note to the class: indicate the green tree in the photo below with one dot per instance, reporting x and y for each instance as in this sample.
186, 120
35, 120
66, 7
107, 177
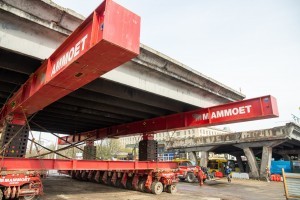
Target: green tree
108, 148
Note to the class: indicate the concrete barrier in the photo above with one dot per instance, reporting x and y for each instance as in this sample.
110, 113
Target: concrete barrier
239, 175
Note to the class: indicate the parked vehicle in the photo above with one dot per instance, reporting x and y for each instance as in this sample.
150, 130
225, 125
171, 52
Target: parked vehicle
219, 164
189, 172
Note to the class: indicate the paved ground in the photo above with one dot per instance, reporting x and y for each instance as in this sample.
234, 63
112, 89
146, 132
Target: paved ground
62, 188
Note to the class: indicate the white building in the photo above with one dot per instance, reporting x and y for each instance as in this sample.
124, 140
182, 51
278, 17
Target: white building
165, 136
133, 141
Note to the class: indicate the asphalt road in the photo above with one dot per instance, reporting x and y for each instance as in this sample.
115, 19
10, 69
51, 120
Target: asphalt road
62, 188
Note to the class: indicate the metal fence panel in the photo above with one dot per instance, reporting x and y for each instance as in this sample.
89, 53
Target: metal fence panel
291, 183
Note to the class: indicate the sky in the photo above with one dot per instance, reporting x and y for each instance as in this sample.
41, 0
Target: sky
252, 46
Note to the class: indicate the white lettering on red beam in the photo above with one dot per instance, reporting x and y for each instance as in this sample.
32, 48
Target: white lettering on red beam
72, 53
224, 113
6, 180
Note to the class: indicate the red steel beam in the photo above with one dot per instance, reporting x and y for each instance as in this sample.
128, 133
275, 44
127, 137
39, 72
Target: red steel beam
246, 110
108, 38
59, 164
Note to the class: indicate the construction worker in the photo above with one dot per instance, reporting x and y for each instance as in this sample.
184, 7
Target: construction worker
200, 176
228, 173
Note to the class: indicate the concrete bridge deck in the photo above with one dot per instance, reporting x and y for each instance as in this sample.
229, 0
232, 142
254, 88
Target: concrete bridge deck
277, 142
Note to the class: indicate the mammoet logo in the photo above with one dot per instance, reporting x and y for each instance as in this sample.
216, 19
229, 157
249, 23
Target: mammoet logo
14, 180
224, 113
67, 57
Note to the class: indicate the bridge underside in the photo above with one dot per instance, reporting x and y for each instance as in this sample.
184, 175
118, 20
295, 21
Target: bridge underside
264, 145
101, 103
148, 86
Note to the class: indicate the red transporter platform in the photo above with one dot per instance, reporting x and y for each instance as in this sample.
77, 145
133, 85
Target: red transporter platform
20, 177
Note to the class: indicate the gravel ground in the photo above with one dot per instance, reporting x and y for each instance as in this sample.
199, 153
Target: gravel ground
62, 188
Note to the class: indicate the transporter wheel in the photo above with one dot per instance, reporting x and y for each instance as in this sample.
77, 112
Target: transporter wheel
141, 185
109, 180
190, 177
129, 184
27, 197
172, 189
118, 183
73, 175
157, 187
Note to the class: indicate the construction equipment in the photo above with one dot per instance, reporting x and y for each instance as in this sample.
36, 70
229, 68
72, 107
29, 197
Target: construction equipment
106, 39
189, 172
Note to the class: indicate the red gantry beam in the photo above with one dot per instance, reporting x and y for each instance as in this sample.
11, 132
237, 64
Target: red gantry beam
108, 38
58, 164
247, 110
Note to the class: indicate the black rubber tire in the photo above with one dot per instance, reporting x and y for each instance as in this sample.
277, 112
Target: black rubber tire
84, 176
73, 175
190, 177
141, 185
129, 184
109, 180
118, 183
157, 187
172, 189
100, 178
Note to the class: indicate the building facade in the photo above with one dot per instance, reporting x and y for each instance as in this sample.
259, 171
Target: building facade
163, 153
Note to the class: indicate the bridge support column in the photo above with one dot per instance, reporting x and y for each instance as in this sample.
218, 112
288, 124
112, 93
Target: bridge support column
240, 163
193, 156
265, 161
203, 158
252, 162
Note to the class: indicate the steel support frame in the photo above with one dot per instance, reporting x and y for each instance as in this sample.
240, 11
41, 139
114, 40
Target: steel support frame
246, 110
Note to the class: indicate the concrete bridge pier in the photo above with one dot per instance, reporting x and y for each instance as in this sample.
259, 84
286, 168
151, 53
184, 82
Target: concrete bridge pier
203, 158
203, 154
265, 161
240, 163
193, 156
254, 173
251, 159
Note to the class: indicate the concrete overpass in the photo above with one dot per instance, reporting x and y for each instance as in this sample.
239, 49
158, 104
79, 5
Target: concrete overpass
148, 86
277, 142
